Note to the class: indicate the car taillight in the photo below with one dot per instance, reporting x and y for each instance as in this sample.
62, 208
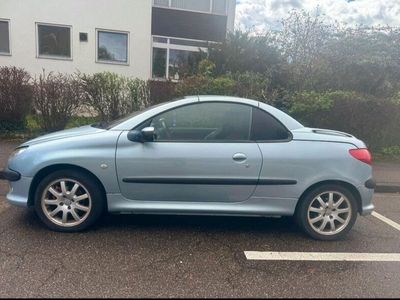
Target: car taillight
362, 155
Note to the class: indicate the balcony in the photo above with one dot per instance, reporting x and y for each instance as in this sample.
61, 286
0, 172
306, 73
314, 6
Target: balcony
216, 7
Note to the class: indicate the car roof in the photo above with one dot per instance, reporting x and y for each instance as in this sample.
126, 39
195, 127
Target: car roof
205, 98
287, 120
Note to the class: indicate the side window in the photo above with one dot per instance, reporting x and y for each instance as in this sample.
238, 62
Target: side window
267, 128
204, 122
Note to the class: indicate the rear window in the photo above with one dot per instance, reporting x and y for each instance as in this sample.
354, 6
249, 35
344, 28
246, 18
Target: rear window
266, 128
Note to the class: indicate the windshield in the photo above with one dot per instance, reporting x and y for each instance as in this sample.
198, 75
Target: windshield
111, 124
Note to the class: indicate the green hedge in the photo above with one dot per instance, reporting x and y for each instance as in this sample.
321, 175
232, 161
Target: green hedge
374, 120
370, 118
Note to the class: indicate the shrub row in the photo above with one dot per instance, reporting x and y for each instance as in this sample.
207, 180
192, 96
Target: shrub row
372, 119
15, 98
56, 98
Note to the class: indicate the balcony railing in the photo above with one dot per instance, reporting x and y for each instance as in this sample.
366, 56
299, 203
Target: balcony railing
218, 7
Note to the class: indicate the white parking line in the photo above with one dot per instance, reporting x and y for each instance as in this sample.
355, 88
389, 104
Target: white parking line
329, 256
386, 220
322, 256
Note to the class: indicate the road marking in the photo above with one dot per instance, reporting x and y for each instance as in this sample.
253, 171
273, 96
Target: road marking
386, 220
322, 256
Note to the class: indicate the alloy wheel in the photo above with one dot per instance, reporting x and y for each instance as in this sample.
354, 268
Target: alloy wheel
66, 202
329, 213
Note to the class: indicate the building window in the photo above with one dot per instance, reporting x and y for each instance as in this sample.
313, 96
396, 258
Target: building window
181, 63
159, 62
5, 37
112, 46
207, 6
54, 41
175, 58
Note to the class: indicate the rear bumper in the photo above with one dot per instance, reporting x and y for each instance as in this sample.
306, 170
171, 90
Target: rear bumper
370, 184
367, 194
10, 175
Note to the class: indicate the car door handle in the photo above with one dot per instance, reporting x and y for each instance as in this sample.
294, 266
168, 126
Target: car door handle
239, 157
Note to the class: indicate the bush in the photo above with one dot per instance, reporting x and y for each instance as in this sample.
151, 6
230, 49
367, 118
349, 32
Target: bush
139, 94
204, 85
56, 98
311, 106
161, 91
113, 96
245, 52
247, 85
371, 119
392, 152
15, 98
252, 85
206, 68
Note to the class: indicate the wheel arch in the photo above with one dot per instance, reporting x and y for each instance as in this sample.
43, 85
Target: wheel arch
344, 184
52, 168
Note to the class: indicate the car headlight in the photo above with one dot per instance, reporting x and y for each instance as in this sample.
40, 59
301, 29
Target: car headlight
18, 151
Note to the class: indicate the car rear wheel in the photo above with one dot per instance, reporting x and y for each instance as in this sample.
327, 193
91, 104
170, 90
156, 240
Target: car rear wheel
69, 201
327, 212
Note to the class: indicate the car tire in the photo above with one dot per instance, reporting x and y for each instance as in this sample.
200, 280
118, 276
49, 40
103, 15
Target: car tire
315, 218
69, 201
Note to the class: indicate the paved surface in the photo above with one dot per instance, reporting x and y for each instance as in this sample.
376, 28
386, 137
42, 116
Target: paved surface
164, 256
387, 173
5, 149
387, 176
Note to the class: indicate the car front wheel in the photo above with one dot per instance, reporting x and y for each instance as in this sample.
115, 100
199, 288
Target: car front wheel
327, 212
68, 201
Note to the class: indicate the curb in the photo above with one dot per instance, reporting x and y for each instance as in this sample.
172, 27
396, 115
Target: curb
387, 189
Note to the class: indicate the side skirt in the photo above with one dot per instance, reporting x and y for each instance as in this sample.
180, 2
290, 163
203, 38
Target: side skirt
251, 207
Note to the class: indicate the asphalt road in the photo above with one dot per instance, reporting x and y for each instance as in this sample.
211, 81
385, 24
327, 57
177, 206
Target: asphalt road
177, 256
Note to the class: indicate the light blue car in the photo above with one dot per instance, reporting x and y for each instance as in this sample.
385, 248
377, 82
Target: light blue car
202, 155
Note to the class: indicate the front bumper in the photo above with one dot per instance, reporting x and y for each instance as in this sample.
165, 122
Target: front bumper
19, 191
10, 175
19, 187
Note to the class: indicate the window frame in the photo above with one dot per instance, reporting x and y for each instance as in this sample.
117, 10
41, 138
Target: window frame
112, 62
290, 134
169, 46
55, 57
165, 66
9, 53
147, 122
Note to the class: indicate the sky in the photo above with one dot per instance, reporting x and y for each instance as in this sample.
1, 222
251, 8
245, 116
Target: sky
260, 15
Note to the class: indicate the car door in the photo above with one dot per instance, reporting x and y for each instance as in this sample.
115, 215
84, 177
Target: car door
282, 164
201, 152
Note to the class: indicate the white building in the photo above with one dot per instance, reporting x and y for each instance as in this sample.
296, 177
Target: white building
138, 38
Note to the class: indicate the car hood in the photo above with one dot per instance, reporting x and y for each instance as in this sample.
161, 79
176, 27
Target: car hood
78, 131
326, 135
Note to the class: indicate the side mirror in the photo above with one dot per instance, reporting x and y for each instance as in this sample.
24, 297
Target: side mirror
148, 134
145, 135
